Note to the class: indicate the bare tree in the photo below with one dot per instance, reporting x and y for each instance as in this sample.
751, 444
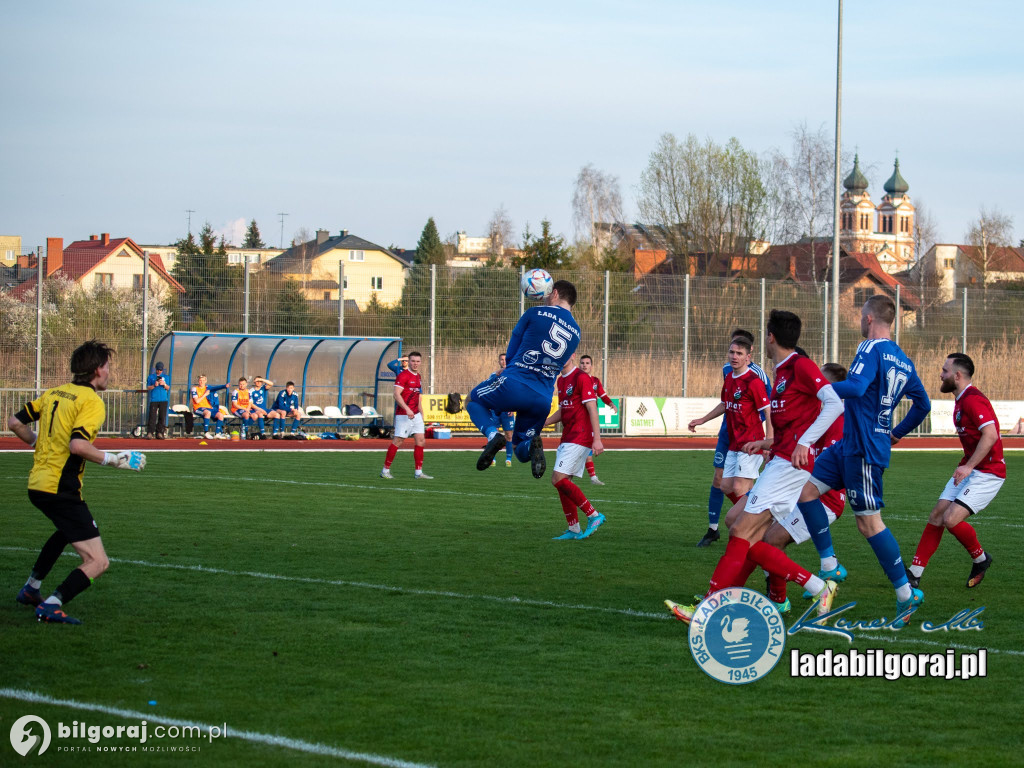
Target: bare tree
992, 229
926, 234
596, 198
704, 197
305, 249
806, 178
501, 231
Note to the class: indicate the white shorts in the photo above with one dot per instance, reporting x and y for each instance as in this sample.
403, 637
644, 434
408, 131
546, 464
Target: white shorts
975, 493
405, 426
571, 459
777, 489
796, 526
739, 464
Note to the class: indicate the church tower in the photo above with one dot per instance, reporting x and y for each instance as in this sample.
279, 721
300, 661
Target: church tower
885, 231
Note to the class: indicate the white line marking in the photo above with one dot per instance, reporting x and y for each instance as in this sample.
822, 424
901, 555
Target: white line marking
512, 599
259, 738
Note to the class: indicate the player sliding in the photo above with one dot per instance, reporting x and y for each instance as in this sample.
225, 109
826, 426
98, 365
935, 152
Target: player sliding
581, 434
798, 421
977, 479
70, 417
879, 377
542, 341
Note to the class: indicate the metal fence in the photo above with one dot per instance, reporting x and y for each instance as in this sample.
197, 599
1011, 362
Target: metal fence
657, 335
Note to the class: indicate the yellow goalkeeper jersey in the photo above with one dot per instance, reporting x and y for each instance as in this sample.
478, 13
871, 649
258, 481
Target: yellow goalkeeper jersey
64, 412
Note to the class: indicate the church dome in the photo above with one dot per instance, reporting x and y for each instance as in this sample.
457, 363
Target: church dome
856, 181
896, 185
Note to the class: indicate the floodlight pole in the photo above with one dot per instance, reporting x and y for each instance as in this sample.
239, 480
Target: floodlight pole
835, 207
245, 299
433, 320
145, 317
40, 261
341, 297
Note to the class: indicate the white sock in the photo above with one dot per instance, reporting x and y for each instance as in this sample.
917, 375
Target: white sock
917, 570
904, 593
980, 558
814, 585
418, 472
829, 563
34, 583
53, 600
575, 528
713, 526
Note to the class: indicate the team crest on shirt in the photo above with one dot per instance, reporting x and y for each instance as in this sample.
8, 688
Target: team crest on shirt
569, 389
738, 394
957, 418
780, 387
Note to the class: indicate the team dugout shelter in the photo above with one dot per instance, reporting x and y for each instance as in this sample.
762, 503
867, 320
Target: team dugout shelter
327, 370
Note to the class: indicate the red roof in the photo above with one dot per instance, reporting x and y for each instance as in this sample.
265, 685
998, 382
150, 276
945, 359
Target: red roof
83, 256
1001, 258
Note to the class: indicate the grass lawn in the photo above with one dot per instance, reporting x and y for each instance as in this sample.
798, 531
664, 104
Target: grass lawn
298, 595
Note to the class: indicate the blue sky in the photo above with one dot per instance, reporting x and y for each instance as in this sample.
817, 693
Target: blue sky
119, 116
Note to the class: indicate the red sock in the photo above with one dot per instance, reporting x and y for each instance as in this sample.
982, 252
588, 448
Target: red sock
774, 560
417, 453
930, 539
965, 534
776, 589
733, 497
730, 565
590, 468
568, 488
569, 508
748, 568
392, 450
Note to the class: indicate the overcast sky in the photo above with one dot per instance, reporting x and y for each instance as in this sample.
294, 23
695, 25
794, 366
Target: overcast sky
119, 116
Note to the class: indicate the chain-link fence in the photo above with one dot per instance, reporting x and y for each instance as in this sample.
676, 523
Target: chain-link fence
657, 335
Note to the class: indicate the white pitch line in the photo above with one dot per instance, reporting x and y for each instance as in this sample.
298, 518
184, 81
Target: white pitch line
511, 600
285, 742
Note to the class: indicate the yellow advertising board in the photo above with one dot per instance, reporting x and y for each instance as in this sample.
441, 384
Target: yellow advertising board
433, 410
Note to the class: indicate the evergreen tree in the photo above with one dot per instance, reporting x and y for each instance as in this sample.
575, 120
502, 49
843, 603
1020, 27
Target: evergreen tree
545, 252
429, 249
211, 286
253, 239
292, 314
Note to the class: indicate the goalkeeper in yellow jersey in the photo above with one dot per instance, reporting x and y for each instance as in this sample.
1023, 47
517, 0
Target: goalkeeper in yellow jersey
69, 416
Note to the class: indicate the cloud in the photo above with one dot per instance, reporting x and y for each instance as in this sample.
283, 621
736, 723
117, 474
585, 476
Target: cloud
233, 231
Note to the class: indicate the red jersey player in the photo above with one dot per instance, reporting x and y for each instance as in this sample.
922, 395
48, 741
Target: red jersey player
803, 406
587, 366
408, 418
743, 398
577, 410
977, 479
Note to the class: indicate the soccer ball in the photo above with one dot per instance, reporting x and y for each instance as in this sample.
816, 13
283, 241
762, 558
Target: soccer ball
536, 284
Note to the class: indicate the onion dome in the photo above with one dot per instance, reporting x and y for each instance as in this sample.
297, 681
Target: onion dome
856, 181
896, 185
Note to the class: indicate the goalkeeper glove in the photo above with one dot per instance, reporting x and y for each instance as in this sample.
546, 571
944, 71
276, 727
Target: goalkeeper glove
133, 460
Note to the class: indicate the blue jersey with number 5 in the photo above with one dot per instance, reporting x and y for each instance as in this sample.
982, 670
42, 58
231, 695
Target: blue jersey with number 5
541, 342
879, 377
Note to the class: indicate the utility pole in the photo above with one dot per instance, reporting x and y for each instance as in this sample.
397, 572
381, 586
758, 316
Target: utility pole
282, 215
189, 211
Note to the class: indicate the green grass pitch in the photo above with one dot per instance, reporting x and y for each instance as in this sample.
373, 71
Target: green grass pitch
297, 594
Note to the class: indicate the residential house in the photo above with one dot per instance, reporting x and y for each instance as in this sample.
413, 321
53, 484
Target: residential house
369, 270
236, 256
949, 267
103, 262
10, 249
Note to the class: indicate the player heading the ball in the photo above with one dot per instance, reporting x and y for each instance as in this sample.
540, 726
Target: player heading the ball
542, 341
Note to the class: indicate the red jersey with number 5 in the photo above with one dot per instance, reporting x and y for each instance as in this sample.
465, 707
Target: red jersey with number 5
971, 412
574, 389
795, 403
411, 385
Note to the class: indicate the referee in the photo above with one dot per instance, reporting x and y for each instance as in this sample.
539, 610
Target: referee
69, 417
